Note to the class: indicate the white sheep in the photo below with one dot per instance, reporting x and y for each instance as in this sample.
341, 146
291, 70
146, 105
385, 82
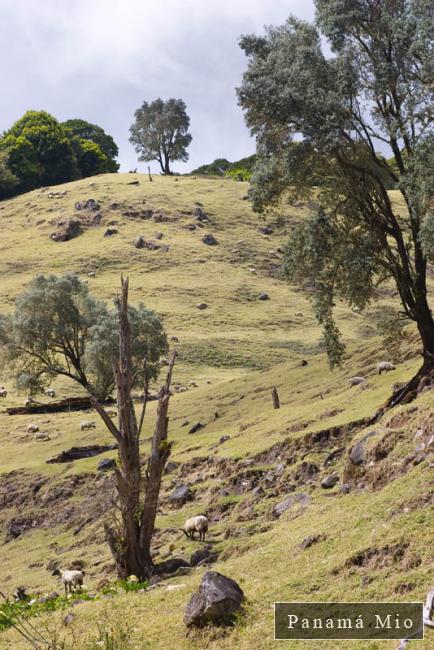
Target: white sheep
87, 425
355, 381
70, 579
385, 366
3, 392
111, 413
32, 428
50, 392
197, 524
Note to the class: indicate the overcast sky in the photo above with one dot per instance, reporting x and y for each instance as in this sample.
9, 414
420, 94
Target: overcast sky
99, 59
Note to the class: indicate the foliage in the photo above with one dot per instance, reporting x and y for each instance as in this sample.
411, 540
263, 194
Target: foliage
39, 151
8, 181
390, 326
317, 121
222, 167
160, 132
93, 133
239, 174
51, 149
58, 328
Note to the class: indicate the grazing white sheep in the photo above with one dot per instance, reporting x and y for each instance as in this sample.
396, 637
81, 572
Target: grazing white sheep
50, 392
87, 425
32, 428
385, 366
3, 392
111, 413
71, 579
355, 381
197, 524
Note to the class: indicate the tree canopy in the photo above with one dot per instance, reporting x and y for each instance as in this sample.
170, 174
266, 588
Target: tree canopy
39, 151
58, 328
316, 117
160, 132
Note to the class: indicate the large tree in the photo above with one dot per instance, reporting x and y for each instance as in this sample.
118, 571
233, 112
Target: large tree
341, 130
58, 328
8, 181
92, 133
160, 132
40, 151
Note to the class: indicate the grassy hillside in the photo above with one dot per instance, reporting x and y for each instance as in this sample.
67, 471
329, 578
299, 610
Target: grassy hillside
375, 535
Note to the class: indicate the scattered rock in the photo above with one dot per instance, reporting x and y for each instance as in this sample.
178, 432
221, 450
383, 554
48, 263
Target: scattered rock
309, 541
90, 204
203, 555
303, 363
175, 339
202, 305
266, 230
217, 599
224, 439
159, 235
106, 464
170, 467
40, 436
330, 481
209, 239
263, 296
196, 427
300, 498
110, 232
181, 495
67, 229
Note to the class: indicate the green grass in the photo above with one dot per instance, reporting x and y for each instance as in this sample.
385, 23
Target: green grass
236, 350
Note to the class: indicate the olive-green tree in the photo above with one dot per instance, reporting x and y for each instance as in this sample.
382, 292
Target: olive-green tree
58, 328
320, 122
160, 132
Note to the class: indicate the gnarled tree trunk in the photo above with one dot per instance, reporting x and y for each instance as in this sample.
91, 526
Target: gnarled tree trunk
138, 492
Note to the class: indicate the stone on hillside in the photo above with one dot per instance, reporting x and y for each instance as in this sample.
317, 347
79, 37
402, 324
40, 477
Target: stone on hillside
303, 363
300, 498
90, 204
202, 305
159, 235
196, 427
203, 556
181, 495
139, 242
265, 230
330, 481
110, 232
66, 229
190, 226
200, 215
170, 466
357, 453
263, 296
216, 601
224, 439
209, 239
105, 464
309, 541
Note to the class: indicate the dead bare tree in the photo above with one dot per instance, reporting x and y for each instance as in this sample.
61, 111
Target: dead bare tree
138, 490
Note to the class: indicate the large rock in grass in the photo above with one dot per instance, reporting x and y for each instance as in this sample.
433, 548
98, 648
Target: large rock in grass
216, 601
181, 495
66, 229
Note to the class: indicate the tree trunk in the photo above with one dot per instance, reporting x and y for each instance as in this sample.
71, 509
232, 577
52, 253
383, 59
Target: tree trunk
138, 494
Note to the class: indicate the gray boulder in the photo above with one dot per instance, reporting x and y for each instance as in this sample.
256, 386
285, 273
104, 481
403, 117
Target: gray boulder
66, 229
209, 239
330, 481
263, 296
181, 495
301, 498
216, 601
105, 464
90, 204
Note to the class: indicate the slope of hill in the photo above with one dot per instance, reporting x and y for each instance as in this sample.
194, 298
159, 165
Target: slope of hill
372, 531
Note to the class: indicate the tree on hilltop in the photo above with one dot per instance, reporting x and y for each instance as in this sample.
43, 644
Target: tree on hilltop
106, 149
160, 132
316, 117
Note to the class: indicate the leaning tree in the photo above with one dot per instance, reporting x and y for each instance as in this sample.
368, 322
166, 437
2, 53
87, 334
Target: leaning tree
129, 536
342, 131
160, 132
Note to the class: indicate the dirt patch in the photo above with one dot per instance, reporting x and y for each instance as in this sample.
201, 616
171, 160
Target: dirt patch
375, 557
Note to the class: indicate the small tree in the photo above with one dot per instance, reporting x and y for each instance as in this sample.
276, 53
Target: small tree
58, 328
138, 490
160, 132
319, 122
